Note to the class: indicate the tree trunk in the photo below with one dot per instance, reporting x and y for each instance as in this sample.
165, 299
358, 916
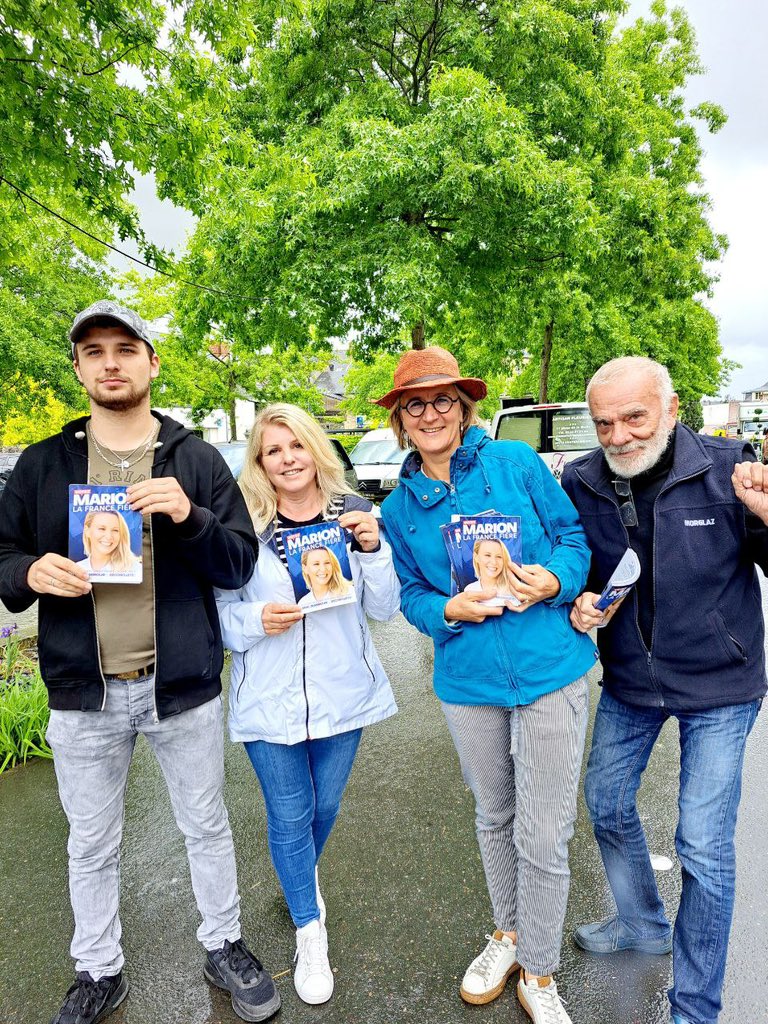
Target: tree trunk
232, 420
417, 335
546, 355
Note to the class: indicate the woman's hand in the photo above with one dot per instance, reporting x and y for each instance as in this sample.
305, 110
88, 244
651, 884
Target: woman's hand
466, 607
364, 526
534, 584
278, 618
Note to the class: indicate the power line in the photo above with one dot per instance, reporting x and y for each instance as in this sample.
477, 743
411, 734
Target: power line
108, 245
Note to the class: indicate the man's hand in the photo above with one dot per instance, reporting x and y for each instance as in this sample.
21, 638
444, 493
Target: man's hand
584, 615
365, 528
534, 584
750, 485
162, 494
55, 574
278, 618
467, 607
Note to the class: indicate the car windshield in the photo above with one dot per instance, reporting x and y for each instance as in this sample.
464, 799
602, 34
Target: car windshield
234, 456
377, 453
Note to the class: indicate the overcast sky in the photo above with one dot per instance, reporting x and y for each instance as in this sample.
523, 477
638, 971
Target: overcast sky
732, 41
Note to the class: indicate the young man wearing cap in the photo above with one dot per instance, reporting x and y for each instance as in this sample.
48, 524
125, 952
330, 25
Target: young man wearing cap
121, 659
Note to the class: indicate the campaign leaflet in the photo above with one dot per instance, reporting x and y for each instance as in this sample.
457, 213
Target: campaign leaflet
623, 578
104, 533
318, 564
481, 550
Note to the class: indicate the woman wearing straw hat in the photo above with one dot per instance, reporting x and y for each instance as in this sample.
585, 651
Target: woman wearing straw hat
512, 679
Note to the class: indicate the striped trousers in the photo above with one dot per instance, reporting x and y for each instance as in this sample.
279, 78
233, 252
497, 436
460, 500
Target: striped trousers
523, 766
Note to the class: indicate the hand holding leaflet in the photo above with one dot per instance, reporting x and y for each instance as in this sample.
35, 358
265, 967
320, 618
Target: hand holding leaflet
623, 578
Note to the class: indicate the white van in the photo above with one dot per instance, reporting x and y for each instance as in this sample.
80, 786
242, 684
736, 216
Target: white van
558, 432
377, 461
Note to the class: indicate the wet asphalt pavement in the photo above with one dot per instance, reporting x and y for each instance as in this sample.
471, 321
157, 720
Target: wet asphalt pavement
407, 904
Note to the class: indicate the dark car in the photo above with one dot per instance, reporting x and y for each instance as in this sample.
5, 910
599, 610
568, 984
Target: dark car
7, 461
234, 456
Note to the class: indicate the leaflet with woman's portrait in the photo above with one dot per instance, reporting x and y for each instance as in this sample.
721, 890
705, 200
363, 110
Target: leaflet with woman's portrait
481, 550
104, 533
318, 564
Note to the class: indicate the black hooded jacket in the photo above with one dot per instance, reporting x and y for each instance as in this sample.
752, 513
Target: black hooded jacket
214, 547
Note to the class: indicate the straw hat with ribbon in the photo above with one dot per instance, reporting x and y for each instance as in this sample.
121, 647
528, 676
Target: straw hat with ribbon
426, 368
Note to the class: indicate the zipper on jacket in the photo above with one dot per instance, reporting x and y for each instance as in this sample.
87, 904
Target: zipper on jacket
664, 487
367, 665
242, 681
507, 657
98, 653
96, 618
304, 669
155, 716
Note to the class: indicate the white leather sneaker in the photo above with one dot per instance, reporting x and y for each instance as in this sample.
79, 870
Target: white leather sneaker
542, 1004
487, 975
313, 977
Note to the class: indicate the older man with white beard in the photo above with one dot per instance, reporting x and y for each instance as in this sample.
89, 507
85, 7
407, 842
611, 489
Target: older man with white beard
686, 643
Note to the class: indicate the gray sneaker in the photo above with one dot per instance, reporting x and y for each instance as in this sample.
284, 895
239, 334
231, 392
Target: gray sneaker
89, 1001
609, 937
236, 970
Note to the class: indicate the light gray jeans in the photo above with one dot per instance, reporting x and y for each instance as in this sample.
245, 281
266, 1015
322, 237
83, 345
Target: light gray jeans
92, 752
522, 765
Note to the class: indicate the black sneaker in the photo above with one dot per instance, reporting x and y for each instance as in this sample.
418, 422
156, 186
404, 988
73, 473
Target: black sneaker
235, 969
89, 1001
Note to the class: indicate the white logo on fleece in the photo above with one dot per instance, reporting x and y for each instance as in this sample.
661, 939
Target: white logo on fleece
699, 522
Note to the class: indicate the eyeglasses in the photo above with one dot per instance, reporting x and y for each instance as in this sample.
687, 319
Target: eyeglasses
417, 406
627, 510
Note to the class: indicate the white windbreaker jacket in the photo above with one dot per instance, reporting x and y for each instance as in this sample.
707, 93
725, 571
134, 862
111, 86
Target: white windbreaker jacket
323, 675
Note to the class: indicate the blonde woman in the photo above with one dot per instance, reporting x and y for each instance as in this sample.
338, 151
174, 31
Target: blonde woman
492, 563
303, 688
107, 545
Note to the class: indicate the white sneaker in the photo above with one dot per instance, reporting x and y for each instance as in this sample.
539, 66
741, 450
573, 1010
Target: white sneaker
487, 975
543, 1005
319, 898
313, 977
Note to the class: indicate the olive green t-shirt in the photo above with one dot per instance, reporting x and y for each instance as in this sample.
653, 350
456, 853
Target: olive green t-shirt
125, 612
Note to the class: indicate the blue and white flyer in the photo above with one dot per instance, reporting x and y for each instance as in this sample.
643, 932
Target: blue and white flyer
482, 550
319, 565
623, 578
104, 533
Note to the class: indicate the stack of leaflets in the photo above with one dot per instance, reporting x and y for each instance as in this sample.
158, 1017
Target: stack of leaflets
623, 578
481, 550
318, 564
104, 533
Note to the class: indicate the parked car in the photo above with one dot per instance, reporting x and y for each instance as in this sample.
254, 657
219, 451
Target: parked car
558, 432
7, 461
377, 461
234, 456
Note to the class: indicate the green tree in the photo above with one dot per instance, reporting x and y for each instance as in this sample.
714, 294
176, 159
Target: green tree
44, 282
514, 179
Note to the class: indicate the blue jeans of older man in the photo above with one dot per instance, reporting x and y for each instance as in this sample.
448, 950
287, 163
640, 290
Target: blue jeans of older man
92, 752
712, 744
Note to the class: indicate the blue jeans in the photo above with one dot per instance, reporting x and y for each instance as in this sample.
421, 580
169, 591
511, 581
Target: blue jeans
92, 752
712, 746
302, 785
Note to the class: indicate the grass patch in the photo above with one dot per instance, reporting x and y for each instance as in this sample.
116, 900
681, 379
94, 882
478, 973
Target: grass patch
23, 703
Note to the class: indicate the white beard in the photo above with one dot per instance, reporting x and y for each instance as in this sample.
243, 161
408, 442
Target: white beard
645, 453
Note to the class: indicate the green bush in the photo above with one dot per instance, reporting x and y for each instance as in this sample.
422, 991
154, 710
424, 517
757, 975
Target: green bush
23, 705
348, 440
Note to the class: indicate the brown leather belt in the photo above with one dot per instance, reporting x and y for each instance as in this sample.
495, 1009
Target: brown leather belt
137, 673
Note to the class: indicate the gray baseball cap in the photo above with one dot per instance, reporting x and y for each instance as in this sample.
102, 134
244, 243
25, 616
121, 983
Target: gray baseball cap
114, 311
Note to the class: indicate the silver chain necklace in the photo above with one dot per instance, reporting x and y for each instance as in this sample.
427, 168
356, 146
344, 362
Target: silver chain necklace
124, 462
